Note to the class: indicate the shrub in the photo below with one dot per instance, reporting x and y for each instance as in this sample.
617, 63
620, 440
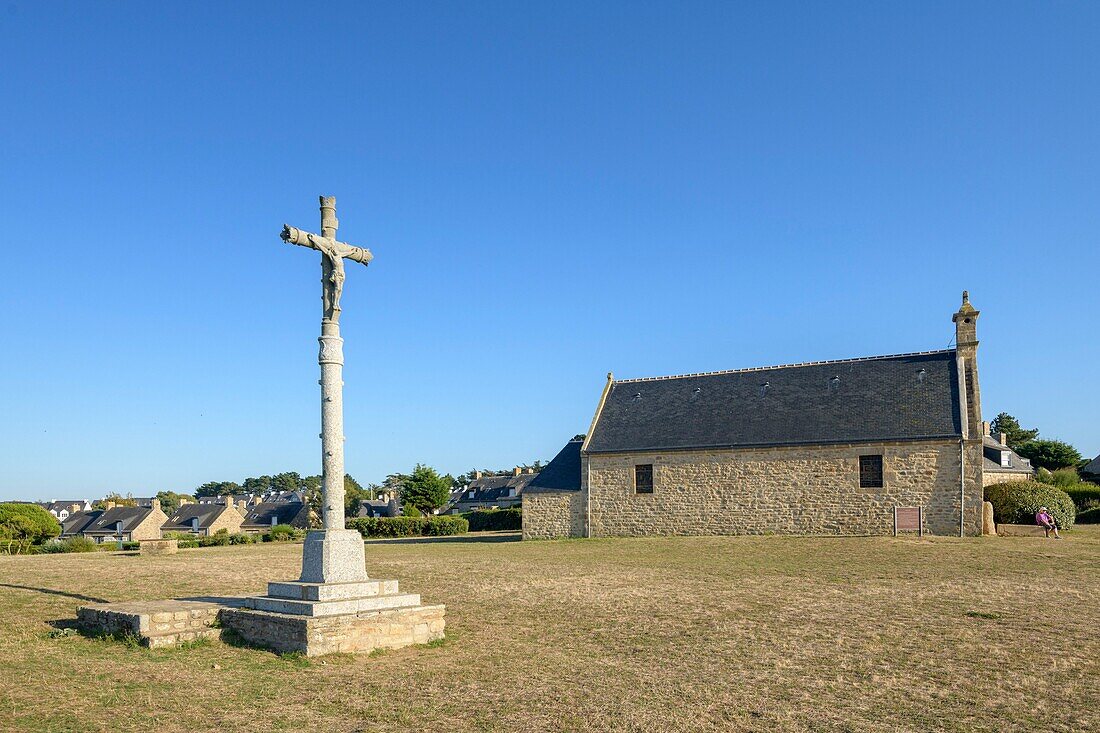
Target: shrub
72, 544
218, 539
1064, 477
434, 526
131, 545
242, 538
1016, 502
494, 520
408, 510
283, 533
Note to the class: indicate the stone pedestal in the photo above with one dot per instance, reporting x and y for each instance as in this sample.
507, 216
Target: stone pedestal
333, 556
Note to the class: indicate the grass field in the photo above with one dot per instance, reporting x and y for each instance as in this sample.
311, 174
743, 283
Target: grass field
676, 634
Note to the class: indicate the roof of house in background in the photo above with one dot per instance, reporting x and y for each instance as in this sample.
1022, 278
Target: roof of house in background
130, 516
378, 508
56, 506
1092, 467
901, 397
284, 512
992, 449
563, 473
491, 488
78, 522
205, 513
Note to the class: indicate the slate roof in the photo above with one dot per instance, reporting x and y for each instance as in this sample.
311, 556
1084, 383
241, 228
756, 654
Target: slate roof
378, 508
206, 514
992, 448
130, 516
900, 397
56, 506
494, 488
284, 512
561, 474
77, 523
1092, 467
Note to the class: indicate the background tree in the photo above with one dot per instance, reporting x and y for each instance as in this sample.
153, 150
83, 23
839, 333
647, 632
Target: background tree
354, 495
257, 485
425, 489
217, 488
25, 525
1049, 454
115, 497
1015, 436
170, 501
287, 481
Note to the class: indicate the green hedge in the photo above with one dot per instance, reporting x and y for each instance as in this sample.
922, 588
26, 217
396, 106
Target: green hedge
434, 526
1089, 516
494, 520
1085, 495
73, 544
1016, 502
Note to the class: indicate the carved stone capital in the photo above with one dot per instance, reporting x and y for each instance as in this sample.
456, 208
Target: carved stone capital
332, 350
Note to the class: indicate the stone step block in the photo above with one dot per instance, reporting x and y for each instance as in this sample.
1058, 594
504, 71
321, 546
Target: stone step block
298, 590
296, 607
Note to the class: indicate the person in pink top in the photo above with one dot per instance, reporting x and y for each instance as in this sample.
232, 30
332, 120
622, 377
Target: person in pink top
1044, 520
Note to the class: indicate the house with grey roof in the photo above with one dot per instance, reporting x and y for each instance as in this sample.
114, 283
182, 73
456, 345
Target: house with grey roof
386, 505
1001, 463
827, 447
491, 491
1091, 471
126, 524
262, 517
74, 524
62, 508
203, 520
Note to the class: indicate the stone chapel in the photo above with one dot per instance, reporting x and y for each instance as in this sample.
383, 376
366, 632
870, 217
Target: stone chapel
820, 448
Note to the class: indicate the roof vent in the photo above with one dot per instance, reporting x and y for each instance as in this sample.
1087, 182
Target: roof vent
637, 396
920, 375
834, 383
696, 392
764, 388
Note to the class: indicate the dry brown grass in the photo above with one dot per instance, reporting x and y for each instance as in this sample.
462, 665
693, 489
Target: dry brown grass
676, 634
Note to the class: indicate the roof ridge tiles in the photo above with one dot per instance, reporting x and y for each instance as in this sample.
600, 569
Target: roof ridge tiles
782, 366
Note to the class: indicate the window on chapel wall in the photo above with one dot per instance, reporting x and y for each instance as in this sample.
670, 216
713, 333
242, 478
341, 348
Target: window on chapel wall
870, 472
643, 478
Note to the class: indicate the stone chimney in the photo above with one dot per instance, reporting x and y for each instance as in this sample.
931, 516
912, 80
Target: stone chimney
1003, 438
477, 475
985, 428
75, 508
156, 504
529, 470
517, 471
109, 504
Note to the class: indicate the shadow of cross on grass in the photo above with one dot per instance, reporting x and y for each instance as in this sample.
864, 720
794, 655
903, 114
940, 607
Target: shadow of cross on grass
55, 592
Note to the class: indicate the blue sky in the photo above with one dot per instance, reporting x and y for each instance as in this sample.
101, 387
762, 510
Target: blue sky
551, 191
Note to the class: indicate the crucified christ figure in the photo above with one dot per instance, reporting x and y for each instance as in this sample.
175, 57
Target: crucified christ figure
333, 254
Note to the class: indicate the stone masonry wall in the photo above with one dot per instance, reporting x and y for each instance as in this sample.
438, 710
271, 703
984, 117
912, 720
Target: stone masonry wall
149, 529
547, 515
793, 490
229, 520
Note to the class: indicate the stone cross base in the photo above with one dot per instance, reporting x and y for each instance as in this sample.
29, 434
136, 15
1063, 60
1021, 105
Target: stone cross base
348, 633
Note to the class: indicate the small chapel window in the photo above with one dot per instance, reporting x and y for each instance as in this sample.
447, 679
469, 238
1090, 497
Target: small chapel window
643, 479
870, 472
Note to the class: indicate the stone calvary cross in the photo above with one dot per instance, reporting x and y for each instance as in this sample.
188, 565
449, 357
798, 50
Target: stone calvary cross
334, 554
333, 606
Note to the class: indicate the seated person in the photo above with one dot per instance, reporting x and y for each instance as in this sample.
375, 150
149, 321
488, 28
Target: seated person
1044, 520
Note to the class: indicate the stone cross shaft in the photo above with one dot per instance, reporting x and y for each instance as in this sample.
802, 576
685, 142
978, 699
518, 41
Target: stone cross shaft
331, 355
